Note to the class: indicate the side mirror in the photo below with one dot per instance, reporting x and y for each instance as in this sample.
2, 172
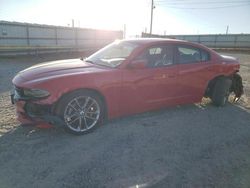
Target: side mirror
138, 64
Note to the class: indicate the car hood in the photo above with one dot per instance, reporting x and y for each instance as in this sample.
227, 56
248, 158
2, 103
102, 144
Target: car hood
58, 68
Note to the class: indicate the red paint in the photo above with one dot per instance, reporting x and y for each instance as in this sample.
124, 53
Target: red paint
127, 90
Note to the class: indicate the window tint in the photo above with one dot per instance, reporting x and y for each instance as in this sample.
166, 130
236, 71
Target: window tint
153, 51
191, 55
205, 56
158, 56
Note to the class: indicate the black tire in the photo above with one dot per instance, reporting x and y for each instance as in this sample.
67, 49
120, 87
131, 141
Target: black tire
221, 91
74, 103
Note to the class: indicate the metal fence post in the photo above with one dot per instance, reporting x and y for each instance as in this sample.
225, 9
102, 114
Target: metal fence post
76, 38
27, 35
56, 36
215, 40
235, 40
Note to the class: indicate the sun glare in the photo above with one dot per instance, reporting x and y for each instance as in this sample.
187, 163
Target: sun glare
109, 14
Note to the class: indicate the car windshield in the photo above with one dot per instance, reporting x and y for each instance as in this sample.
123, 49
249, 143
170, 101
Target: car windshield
113, 54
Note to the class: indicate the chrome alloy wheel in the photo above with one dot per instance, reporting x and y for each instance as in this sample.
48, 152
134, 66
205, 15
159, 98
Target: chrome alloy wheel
82, 113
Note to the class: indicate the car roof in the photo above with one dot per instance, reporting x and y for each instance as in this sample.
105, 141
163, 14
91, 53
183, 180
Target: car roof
148, 41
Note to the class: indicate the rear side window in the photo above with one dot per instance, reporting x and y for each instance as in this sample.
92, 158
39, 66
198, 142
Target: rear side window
190, 54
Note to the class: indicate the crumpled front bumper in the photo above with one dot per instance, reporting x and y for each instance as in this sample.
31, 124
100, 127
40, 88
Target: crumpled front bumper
22, 117
28, 112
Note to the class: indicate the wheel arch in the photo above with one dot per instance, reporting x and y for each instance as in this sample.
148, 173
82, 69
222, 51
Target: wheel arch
211, 83
56, 105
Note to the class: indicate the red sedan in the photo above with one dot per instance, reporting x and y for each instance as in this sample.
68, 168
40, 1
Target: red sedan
125, 77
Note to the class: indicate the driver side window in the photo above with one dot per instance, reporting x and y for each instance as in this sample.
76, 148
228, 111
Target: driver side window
158, 56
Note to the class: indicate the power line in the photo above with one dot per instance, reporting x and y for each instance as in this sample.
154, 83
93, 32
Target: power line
214, 7
199, 2
180, 4
159, 2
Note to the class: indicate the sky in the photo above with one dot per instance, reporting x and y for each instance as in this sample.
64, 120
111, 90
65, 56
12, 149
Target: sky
170, 17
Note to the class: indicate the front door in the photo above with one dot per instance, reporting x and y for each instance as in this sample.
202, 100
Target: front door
154, 86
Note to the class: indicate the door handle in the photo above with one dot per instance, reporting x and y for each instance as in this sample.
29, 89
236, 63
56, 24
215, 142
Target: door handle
160, 76
163, 76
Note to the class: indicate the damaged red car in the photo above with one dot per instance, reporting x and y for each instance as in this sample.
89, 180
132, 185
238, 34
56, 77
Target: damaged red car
123, 78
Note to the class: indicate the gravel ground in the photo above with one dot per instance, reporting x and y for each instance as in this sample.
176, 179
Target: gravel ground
185, 146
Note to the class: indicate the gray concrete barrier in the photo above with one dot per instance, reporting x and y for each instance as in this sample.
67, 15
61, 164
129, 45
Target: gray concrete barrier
22, 38
233, 41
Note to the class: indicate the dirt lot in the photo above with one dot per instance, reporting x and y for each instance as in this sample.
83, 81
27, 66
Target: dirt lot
186, 146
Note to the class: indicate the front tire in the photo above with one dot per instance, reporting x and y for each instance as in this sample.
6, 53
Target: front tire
221, 91
81, 111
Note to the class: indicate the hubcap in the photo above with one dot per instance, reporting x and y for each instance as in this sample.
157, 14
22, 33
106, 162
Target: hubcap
82, 113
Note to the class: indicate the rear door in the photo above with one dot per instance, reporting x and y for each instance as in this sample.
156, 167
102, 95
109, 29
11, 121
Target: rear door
195, 69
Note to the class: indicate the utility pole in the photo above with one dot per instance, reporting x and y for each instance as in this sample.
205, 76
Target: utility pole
151, 20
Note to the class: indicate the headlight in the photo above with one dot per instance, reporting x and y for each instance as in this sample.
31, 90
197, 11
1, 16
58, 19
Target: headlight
35, 93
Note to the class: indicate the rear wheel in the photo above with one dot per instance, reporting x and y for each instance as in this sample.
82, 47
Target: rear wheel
81, 111
221, 91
